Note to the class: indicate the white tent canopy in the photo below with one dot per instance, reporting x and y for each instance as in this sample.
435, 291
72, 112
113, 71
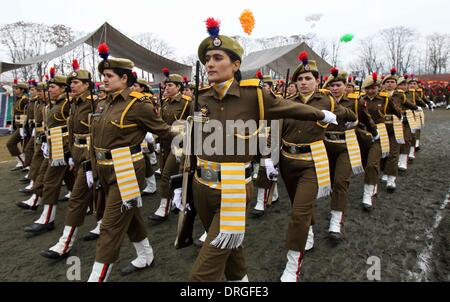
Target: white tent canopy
279, 59
120, 46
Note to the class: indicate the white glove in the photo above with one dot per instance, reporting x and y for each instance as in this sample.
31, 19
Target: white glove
271, 172
89, 179
33, 134
71, 163
149, 138
177, 199
330, 117
350, 125
22, 133
376, 137
44, 149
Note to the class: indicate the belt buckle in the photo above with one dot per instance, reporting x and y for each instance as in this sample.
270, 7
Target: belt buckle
334, 137
293, 150
100, 155
210, 175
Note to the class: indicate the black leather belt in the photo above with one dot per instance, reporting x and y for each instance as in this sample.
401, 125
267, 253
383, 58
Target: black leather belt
80, 141
214, 176
297, 149
106, 155
335, 136
38, 125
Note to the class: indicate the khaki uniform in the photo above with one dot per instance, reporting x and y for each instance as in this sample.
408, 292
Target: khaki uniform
380, 107
239, 103
121, 120
409, 103
417, 97
19, 116
29, 145
38, 158
338, 157
172, 110
57, 117
79, 133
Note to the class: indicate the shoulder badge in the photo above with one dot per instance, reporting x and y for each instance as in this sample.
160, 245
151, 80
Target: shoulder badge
384, 94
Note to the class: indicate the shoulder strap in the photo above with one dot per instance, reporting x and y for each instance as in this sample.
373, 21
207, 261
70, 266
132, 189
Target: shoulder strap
250, 83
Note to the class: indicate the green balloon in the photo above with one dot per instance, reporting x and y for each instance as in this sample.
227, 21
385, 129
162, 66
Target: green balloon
347, 38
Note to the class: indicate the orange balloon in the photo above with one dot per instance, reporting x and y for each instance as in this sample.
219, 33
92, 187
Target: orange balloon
247, 21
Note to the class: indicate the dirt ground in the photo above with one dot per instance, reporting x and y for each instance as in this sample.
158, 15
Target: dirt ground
398, 231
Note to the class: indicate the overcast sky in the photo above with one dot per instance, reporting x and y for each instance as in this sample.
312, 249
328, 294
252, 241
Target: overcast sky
181, 23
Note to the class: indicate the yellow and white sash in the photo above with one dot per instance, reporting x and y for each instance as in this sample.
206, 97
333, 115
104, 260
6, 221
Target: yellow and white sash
398, 130
57, 147
384, 140
412, 121
232, 207
354, 152
126, 177
421, 116
321, 163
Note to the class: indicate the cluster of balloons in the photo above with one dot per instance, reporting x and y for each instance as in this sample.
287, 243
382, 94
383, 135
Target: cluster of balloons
247, 21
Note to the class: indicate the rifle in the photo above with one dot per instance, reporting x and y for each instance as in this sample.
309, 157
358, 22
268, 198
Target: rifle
287, 83
186, 217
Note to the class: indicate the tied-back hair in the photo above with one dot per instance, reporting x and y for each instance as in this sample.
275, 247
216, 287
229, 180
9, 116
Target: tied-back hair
131, 78
234, 58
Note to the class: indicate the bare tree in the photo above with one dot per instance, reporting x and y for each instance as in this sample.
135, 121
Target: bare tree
335, 46
399, 45
323, 50
368, 55
155, 44
438, 52
191, 60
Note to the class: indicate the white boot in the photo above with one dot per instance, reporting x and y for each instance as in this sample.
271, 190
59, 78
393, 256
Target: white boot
310, 241
448, 107
403, 162
203, 237
412, 153
144, 253
153, 159
100, 272
30, 186
68, 195
245, 279
20, 160
48, 215
163, 209
391, 183
97, 228
369, 191
255, 171
335, 222
66, 241
33, 201
384, 178
418, 143
275, 195
292, 271
158, 172
261, 200
151, 185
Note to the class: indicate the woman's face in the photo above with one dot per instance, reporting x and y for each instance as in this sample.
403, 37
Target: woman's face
373, 90
137, 88
291, 89
219, 66
189, 92
307, 83
337, 89
113, 82
172, 89
78, 87
349, 89
55, 91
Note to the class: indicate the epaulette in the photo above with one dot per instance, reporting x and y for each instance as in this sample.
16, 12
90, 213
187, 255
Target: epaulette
419, 89
325, 92
412, 90
290, 97
203, 89
353, 96
363, 94
186, 98
384, 94
140, 96
401, 91
251, 83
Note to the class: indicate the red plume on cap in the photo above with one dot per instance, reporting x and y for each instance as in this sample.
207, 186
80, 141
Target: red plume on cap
166, 71
46, 77
134, 73
326, 78
52, 72
406, 76
375, 76
412, 75
75, 65
259, 75
16, 81
335, 72
350, 78
393, 71
213, 27
103, 51
383, 77
303, 56
185, 79
281, 82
